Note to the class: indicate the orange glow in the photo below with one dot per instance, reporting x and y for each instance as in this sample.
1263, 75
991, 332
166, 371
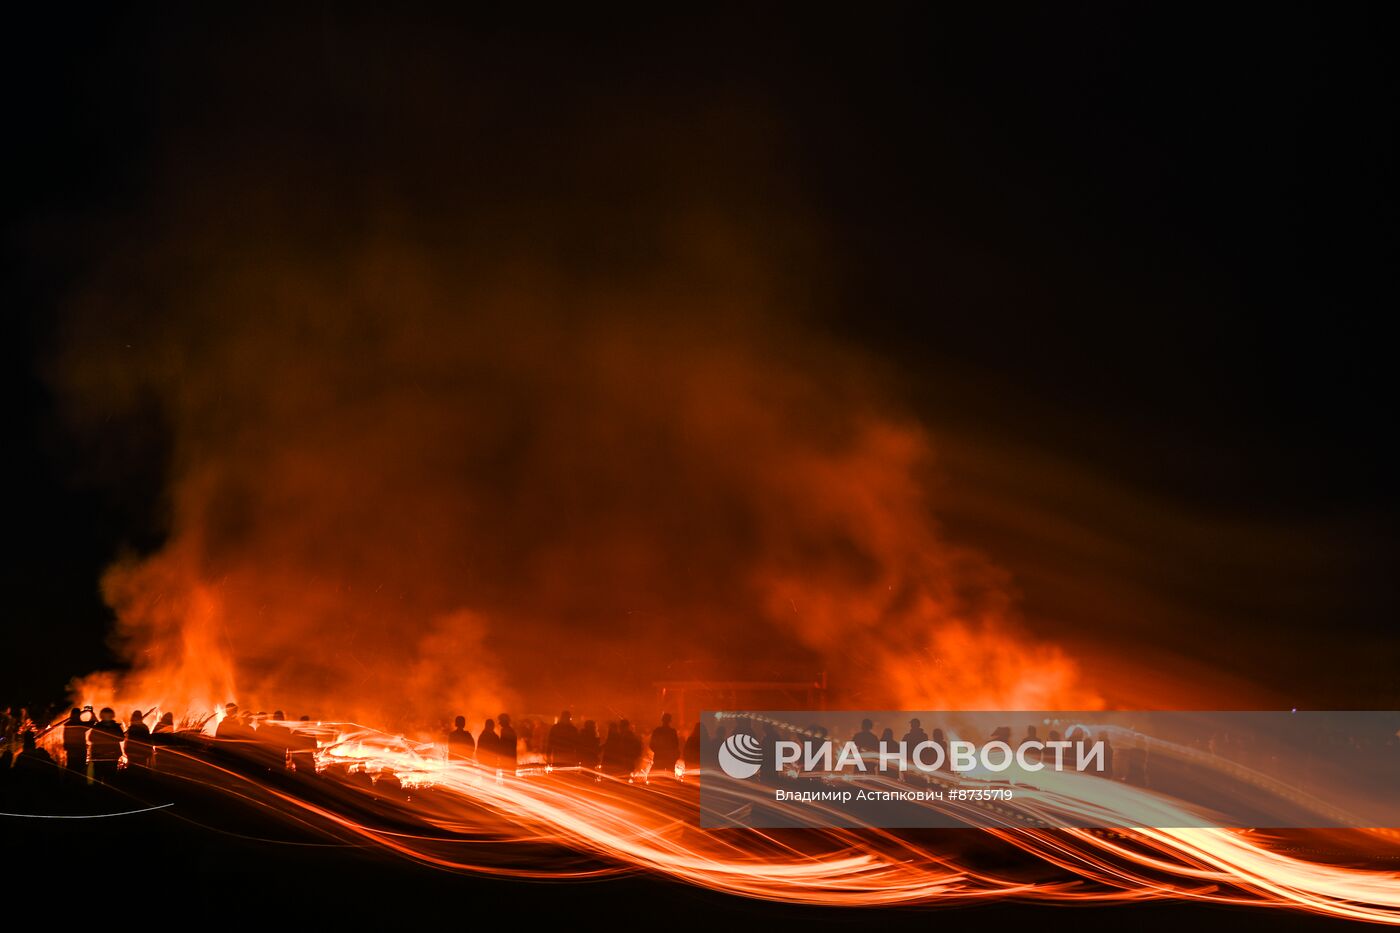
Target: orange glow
604, 826
446, 516
420, 511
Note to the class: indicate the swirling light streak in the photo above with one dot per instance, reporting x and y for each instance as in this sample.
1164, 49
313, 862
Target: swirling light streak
474, 820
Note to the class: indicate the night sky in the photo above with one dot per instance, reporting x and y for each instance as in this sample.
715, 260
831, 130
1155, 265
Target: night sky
1150, 246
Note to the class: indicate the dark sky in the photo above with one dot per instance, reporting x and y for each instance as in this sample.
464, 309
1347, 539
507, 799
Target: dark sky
1152, 243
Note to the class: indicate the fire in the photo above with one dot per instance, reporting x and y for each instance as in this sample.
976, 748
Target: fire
418, 510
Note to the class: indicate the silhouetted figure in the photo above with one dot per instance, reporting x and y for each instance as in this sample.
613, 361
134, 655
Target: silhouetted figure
613, 752
865, 739
887, 742
691, 753
915, 735
1108, 756
460, 744
9, 737
561, 748
75, 733
303, 749
162, 737
138, 742
1074, 735
231, 727
487, 746
665, 747
276, 738
941, 740
105, 745
1047, 754
590, 746
532, 735
32, 760
631, 746
768, 746
508, 743
1135, 764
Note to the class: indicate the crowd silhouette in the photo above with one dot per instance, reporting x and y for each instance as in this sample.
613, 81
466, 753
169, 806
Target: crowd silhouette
94, 746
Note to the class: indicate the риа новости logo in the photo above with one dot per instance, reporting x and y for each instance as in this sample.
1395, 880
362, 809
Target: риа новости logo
740, 756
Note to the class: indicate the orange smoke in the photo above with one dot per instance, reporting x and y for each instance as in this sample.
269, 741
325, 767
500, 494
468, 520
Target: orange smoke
397, 491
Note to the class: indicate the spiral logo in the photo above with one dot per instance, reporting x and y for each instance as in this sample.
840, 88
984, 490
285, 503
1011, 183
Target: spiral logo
740, 756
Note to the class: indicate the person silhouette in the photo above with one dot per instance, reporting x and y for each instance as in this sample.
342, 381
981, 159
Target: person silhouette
631, 746
488, 746
105, 745
8, 753
138, 742
231, 727
865, 739
1135, 763
561, 748
691, 753
507, 743
941, 740
768, 746
32, 759
1076, 736
887, 743
1107, 756
720, 733
75, 738
276, 737
915, 735
665, 748
613, 753
162, 736
460, 744
590, 747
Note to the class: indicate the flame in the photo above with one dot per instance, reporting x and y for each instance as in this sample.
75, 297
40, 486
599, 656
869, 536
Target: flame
384, 508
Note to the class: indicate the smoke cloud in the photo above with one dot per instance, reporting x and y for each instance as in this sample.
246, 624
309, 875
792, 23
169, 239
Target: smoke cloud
394, 491
526, 448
